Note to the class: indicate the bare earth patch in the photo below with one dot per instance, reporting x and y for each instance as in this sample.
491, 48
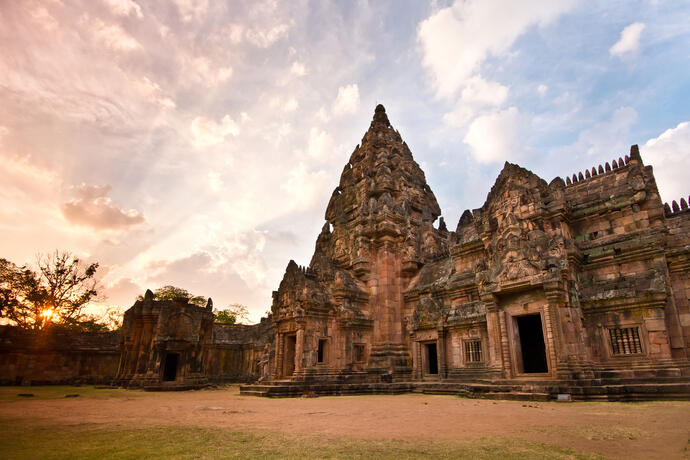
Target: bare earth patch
614, 430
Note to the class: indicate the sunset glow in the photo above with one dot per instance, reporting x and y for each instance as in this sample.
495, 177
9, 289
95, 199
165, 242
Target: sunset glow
197, 143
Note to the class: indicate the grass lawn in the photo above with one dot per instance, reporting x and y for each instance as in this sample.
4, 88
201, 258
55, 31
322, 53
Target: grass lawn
23, 438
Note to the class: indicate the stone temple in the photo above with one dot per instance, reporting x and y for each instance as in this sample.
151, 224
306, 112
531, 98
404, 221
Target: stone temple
577, 288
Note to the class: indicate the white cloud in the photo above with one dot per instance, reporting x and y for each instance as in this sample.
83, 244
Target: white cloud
206, 133
457, 39
496, 137
629, 41
542, 89
290, 105
306, 188
347, 100
203, 70
263, 38
42, 17
124, 7
476, 95
114, 37
192, 9
93, 208
669, 155
321, 145
298, 69
215, 183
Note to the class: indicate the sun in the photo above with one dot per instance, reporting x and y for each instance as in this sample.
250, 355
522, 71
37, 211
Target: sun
47, 314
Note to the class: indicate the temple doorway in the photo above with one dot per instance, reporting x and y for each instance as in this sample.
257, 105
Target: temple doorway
170, 367
289, 357
431, 358
532, 348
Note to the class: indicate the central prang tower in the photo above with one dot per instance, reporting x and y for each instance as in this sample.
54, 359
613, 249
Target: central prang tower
344, 314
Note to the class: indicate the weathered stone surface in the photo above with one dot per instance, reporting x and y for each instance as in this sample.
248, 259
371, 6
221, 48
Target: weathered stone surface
557, 282
170, 345
57, 356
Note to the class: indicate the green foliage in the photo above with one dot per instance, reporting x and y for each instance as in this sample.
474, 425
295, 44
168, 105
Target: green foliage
232, 314
173, 292
57, 291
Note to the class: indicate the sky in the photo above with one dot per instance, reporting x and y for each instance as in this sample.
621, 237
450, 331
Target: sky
196, 143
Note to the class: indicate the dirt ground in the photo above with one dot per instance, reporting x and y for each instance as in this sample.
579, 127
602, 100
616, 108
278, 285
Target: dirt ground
616, 430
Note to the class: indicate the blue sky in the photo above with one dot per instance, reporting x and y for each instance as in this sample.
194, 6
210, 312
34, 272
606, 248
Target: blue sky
196, 143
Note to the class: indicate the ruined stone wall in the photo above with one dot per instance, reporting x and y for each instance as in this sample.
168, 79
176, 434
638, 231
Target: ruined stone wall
55, 356
237, 351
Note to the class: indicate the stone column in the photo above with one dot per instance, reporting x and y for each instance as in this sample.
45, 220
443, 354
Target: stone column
278, 364
493, 331
417, 360
505, 345
299, 351
442, 366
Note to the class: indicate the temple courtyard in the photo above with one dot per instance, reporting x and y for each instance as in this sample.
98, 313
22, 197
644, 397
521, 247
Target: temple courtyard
91, 422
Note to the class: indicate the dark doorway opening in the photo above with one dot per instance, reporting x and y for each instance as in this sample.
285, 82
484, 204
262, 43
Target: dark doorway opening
321, 354
532, 344
289, 358
431, 358
170, 367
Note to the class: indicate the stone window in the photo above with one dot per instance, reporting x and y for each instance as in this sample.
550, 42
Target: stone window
625, 341
358, 353
473, 351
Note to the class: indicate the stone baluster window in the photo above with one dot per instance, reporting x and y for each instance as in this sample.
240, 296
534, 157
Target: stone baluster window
625, 341
473, 351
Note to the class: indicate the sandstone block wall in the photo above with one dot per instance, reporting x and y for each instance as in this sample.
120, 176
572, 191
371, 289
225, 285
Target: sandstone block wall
57, 357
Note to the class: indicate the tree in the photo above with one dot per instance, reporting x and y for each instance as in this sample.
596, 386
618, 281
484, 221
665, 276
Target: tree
173, 292
56, 292
233, 314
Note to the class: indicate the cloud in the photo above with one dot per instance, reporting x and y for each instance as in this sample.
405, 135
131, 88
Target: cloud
347, 100
93, 208
124, 7
496, 137
476, 95
42, 17
263, 38
123, 292
629, 42
113, 36
306, 188
191, 9
206, 133
321, 145
203, 70
669, 155
457, 39
298, 69
542, 89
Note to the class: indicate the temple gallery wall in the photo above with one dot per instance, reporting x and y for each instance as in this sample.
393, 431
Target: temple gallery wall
574, 287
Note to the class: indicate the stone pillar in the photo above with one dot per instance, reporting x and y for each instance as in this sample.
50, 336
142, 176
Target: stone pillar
442, 366
505, 345
299, 351
278, 364
493, 330
418, 371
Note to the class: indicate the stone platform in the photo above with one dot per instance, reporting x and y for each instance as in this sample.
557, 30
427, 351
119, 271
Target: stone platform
599, 389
